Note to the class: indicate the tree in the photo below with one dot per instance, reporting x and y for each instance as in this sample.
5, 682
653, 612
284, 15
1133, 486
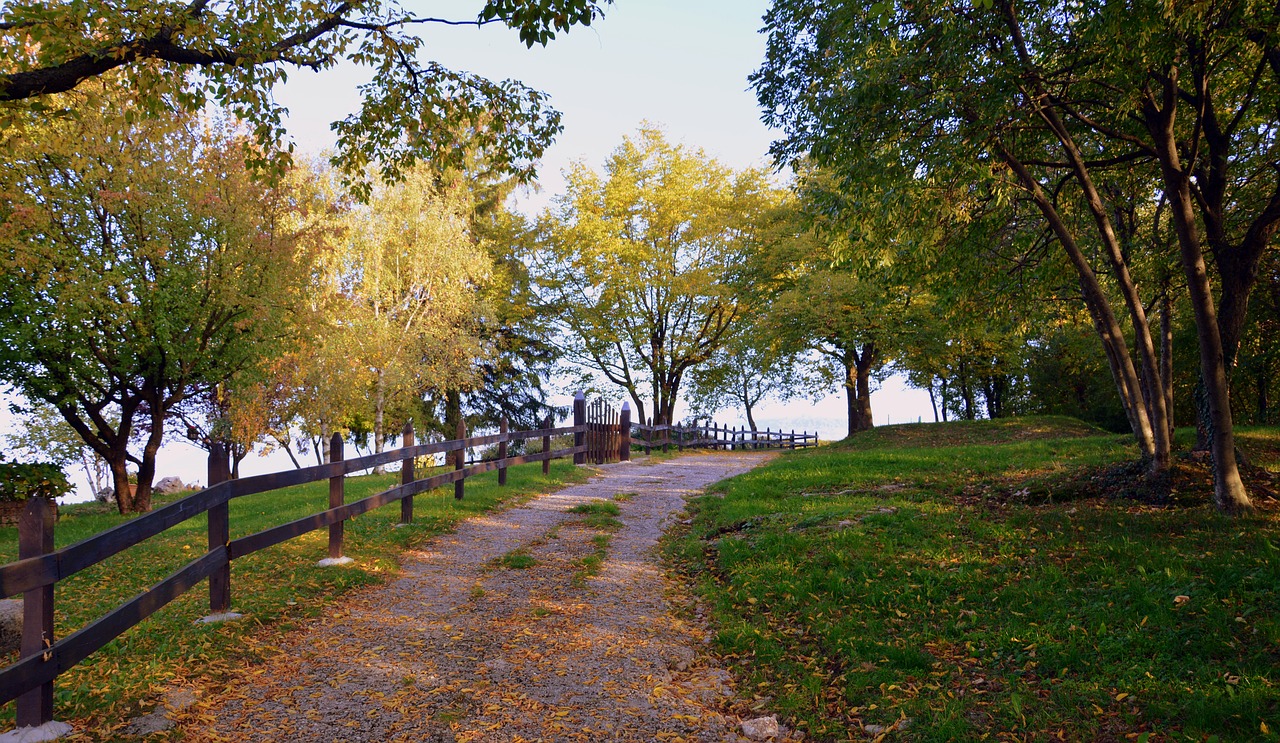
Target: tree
748, 369
411, 275
139, 263
239, 51
42, 435
635, 265
1052, 100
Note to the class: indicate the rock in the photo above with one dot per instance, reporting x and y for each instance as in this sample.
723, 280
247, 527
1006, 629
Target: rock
156, 722
10, 625
761, 728
39, 734
169, 486
106, 495
178, 700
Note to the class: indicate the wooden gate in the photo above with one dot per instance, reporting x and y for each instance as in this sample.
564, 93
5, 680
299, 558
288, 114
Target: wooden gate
605, 425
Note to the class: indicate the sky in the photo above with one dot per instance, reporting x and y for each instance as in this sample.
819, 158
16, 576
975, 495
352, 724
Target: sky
679, 64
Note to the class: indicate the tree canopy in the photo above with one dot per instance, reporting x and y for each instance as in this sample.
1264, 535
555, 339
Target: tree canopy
637, 265
189, 54
140, 263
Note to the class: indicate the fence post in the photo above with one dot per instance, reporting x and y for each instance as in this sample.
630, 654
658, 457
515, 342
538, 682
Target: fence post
406, 474
624, 444
503, 427
460, 458
601, 442
546, 444
579, 419
793, 439
35, 538
219, 535
337, 495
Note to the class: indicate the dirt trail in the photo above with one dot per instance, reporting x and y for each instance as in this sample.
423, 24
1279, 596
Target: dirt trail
464, 648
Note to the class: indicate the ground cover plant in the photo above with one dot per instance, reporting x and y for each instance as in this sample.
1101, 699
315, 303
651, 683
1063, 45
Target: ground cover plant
1012, 586
275, 589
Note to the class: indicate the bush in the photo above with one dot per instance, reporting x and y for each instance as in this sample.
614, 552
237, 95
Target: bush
20, 481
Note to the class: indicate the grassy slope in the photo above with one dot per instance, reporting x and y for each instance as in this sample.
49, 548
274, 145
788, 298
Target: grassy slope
275, 589
894, 575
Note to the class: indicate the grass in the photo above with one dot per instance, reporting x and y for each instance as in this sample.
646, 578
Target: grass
276, 589
601, 516
518, 559
977, 580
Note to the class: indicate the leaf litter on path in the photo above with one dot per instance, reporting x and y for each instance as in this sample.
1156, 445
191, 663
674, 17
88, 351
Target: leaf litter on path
459, 648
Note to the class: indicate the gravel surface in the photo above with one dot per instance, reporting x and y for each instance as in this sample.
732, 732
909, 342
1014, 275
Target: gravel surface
462, 647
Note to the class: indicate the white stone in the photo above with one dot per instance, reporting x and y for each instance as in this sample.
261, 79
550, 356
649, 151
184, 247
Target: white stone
331, 561
225, 616
169, 485
49, 731
761, 728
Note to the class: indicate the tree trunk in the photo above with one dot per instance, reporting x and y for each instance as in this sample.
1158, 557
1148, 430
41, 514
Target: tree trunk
1166, 354
120, 481
325, 439
452, 412
1104, 320
1228, 489
933, 401
379, 415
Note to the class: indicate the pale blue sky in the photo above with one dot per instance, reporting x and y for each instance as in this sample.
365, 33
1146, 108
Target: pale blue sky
682, 65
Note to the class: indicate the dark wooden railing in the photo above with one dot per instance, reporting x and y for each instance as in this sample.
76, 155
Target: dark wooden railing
711, 435
600, 434
40, 567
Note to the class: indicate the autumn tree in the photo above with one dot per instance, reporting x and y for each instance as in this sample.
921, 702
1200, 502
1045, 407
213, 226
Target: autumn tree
636, 265
139, 262
411, 276
750, 368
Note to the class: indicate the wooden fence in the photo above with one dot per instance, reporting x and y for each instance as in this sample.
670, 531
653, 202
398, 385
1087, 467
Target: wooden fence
711, 435
600, 434
40, 567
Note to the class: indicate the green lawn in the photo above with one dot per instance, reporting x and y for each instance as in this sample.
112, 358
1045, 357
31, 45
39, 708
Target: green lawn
988, 589
275, 589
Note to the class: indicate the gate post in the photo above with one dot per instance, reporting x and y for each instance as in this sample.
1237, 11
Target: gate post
406, 474
35, 538
624, 436
579, 419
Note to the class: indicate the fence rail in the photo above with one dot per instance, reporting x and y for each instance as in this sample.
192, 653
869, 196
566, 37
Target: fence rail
40, 567
711, 435
600, 434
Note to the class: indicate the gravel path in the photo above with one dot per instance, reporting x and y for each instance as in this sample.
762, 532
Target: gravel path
462, 647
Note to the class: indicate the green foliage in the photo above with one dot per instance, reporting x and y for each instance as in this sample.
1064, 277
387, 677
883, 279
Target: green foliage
411, 110
979, 591
20, 481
